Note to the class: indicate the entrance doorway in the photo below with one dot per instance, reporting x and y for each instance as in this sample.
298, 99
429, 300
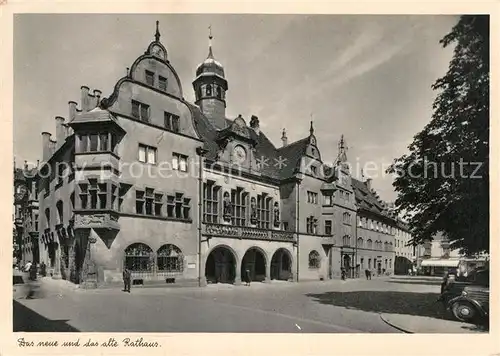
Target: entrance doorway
255, 262
220, 266
281, 265
347, 265
379, 268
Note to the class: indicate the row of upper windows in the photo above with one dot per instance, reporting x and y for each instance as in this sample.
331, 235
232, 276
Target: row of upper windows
312, 198
239, 208
94, 195
151, 80
141, 111
375, 225
149, 154
211, 90
312, 226
377, 245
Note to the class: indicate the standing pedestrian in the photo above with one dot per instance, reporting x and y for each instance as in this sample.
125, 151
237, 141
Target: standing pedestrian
126, 279
248, 279
43, 269
33, 271
366, 273
342, 274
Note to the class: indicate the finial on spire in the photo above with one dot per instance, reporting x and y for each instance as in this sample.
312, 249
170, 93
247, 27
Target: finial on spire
311, 129
157, 34
210, 37
284, 139
342, 150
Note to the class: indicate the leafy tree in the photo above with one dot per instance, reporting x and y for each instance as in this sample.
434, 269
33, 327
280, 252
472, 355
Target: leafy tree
443, 182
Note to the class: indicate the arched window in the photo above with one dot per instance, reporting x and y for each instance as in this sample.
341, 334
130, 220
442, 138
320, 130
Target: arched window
60, 212
208, 90
386, 246
314, 259
346, 240
139, 257
360, 242
369, 243
169, 259
218, 92
47, 218
391, 246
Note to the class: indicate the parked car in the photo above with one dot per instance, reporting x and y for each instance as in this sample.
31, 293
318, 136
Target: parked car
473, 305
468, 297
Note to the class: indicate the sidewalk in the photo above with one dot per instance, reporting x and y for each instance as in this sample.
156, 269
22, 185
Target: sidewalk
424, 325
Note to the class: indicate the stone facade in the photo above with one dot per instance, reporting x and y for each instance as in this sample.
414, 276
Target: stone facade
179, 193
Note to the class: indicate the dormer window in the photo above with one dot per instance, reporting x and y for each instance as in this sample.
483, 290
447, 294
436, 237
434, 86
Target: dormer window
150, 78
162, 83
314, 171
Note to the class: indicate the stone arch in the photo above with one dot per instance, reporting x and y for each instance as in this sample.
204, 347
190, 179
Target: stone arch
282, 264
221, 264
256, 261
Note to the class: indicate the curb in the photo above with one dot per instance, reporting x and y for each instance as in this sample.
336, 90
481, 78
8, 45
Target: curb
395, 326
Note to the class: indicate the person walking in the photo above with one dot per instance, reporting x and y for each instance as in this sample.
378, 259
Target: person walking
126, 279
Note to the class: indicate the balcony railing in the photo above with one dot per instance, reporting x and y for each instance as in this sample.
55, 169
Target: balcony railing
250, 233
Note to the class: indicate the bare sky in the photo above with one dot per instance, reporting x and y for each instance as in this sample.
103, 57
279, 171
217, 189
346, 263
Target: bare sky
367, 77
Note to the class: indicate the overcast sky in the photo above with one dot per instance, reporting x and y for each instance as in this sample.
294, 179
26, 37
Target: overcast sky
367, 77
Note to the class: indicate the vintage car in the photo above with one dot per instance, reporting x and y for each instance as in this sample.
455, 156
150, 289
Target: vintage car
468, 298
473, 305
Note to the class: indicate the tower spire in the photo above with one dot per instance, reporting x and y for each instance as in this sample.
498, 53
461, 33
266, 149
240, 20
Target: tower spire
157, 34
311, 129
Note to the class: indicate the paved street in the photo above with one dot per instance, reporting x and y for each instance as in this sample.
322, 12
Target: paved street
311, 307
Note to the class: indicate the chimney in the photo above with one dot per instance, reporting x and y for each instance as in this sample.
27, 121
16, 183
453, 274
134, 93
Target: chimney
60, 131
72, 110
66, 130
368, 183
254, 124
85, 102
97, 94
284, 139
46, 146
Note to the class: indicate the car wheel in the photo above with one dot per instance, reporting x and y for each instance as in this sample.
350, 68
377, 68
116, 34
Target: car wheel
464, 311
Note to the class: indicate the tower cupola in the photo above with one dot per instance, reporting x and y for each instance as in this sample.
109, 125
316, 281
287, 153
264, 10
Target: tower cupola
210, 88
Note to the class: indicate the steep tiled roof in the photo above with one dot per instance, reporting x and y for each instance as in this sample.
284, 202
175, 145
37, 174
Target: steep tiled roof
365, 198
290, 154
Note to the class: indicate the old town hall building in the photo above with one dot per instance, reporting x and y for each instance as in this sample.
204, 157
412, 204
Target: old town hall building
180, 193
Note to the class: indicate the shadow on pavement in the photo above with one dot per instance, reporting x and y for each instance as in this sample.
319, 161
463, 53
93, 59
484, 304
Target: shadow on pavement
419, 304
423, 282
27, 320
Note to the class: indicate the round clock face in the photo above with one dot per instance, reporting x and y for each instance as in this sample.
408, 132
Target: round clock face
240, 154
158, 51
